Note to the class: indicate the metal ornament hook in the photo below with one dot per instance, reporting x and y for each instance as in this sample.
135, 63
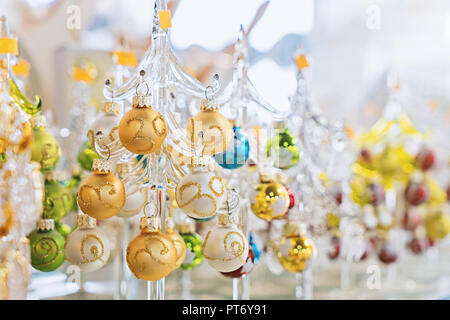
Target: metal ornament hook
210, 88
138, 85
108, 84
99, 136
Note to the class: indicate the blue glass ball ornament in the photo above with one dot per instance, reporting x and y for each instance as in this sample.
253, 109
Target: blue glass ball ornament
237, 152
256, 250
205, 219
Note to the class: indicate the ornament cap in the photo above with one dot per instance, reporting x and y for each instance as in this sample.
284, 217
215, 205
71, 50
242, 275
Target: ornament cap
38, 121
101, 166
46, 224
85, 221
186, 227
198, 163
224, 219
209, 105
111, 108
267, 174
124, 168
150, 223
55, 175
282, 178
169, 223
280, 124
294, 228
142, 101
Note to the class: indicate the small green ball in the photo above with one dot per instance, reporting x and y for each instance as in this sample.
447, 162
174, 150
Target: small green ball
194, 255
47, 250
58, 200
63, 229
72, 184
44, 150
86, 156
287, 152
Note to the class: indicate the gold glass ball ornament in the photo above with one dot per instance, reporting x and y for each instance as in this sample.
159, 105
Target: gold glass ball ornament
151, 255
101, 195
296, 250
178, 242
142, 130
218, 132
225, 247
437, 225
270, 199
200, 193
106, 125
87, 246
44, 150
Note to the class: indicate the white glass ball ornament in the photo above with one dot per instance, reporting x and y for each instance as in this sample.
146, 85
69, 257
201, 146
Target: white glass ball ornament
200, 193
136, 198
225, 247
87, 246
107, 122
136, 195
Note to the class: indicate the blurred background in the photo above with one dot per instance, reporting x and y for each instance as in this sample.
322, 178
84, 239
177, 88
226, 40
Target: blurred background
352, 47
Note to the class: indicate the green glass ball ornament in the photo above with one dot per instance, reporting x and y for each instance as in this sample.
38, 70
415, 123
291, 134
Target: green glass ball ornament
286, 152
194, 242
44, 150
58, 201
63, 228
86, 156
47, 246
73, 183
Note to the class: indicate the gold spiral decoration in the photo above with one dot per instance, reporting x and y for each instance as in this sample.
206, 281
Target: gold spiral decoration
161, 132
232, 249
98, 190
50, 248
199, 195
47, 155
237, 253
211, 186
94, 251
148, 250
138, 135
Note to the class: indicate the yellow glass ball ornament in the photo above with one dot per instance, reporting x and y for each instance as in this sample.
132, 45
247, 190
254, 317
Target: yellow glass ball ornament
87, 246
151, 255
106, 125
142, 130
296, 251
225, 247
269, 199
44, 150
178, 242
101, 195
217, 130
200, 193
437, 225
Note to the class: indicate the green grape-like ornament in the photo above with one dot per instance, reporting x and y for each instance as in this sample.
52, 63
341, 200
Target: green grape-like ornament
286, 151
86, 156
44, 150
194, 242
47, 246
63, 228
59, 200
72, 184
